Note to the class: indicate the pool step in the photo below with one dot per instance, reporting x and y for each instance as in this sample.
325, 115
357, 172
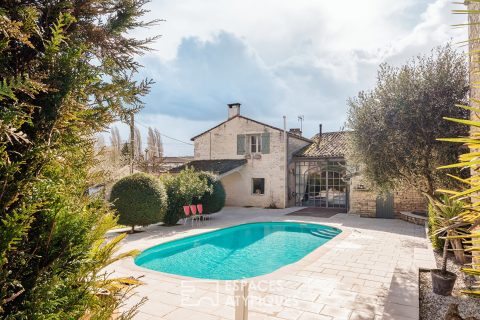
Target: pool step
326, 231
326, 234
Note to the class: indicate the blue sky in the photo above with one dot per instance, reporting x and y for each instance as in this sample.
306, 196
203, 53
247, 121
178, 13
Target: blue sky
277, 58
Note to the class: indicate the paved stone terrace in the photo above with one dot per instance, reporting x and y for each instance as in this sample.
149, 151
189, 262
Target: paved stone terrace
369, 271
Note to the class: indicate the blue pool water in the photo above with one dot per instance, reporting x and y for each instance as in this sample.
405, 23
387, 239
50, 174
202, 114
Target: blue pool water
242, 251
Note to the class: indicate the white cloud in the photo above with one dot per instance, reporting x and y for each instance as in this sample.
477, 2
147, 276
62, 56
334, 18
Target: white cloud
434, 27
277, 57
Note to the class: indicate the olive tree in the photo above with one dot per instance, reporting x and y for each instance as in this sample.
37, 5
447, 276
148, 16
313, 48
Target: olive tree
396, 124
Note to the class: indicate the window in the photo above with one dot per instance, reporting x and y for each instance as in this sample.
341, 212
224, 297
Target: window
255, 143
258, 186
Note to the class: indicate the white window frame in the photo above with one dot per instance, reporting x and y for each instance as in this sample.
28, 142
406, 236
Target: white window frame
258, 144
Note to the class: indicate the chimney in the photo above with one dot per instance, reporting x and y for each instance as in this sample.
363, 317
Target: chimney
233, 110
319, 132
296, 131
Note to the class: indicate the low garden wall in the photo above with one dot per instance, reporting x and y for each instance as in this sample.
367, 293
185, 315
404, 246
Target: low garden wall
413, 218
363, 200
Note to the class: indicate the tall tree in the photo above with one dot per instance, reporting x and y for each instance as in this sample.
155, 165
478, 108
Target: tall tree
116, 145
159, 143
66, 73
138, 144
151, 144
125, 154
395, 125
99, 142
154, 144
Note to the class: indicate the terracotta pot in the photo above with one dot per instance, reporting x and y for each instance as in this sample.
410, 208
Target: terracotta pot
443, 282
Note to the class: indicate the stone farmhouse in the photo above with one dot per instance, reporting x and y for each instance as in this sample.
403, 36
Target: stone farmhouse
264, 166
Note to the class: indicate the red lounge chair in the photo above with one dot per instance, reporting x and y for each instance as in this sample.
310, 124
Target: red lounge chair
200, 212
186, 210
193, 209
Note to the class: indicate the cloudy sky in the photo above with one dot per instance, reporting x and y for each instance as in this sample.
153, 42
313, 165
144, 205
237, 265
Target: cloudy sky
277, 57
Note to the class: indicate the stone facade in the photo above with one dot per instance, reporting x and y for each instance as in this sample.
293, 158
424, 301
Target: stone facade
221, 143
278, 172
474, 75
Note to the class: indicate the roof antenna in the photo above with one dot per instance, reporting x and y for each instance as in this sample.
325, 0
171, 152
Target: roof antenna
301, 118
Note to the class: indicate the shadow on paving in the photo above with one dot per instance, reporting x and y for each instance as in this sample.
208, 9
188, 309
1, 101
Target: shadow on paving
317, 212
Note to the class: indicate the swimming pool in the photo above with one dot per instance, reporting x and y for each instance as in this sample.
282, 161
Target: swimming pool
238, 252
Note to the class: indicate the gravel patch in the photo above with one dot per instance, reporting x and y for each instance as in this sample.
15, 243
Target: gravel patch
434, 307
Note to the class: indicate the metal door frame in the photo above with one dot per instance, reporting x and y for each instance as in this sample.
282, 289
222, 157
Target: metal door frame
323, 173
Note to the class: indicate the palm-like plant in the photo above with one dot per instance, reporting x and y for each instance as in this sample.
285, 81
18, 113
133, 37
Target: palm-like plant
471, 160
447, 225
472, 247
471, 214
104, 255
106, 288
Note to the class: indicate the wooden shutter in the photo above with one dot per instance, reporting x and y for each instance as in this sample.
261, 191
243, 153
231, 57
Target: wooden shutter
266, 142
240, 144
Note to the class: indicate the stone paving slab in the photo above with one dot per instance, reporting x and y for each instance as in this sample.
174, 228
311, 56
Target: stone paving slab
369, 271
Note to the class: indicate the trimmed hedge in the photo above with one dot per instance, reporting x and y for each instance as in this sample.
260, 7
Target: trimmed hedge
139, 199
214, 200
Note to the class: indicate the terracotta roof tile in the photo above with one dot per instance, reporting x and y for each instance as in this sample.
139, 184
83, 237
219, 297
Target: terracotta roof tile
331, 144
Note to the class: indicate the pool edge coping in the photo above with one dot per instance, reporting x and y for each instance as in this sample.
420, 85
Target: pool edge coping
129, 263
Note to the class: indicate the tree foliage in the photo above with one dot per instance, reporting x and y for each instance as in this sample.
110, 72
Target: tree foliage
214, 199
395, 125
65, 73
182, 189
139, 199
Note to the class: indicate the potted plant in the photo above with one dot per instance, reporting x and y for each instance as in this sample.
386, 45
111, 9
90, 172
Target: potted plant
446, 211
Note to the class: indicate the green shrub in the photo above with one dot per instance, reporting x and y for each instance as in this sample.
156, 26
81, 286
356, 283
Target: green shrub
214, 199
437, 243
182, 189
139, 199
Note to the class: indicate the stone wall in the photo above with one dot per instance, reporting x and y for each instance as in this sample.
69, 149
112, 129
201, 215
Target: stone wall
413, 218
363, 200
474, 73
409, 200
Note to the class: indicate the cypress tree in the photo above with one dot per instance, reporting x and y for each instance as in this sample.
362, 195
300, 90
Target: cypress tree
66, 72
